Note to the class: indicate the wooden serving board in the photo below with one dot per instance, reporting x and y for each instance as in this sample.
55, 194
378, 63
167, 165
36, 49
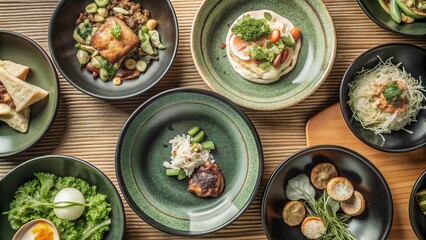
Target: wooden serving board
399, 169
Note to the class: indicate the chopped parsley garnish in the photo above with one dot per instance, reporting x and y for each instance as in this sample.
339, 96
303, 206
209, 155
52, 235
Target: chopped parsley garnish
116, 30
392, 93
250, 29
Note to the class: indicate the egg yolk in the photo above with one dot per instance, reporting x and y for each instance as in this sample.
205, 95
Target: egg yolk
42, 231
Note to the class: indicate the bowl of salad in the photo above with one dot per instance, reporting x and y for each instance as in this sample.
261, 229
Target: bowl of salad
73, 195
113, 49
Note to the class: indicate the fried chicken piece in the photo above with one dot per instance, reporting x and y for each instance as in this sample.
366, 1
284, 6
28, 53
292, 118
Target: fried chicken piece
207, 181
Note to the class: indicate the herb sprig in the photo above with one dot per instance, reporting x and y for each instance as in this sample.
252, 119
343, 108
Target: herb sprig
116, 30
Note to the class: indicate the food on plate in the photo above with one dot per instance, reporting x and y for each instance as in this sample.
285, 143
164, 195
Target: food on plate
16, 95
191, 157
355, 205
60, 200
207, 181
406, 11
340, 189
313, 227
293, 213
262, 46
385, 98
116, 40
322, 173
421, 200
323, 220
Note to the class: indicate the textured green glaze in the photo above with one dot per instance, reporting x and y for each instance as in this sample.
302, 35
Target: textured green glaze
164, 201
313, 66
61, 166
42, 73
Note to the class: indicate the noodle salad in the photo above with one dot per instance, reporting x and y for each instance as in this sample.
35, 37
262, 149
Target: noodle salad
385, 98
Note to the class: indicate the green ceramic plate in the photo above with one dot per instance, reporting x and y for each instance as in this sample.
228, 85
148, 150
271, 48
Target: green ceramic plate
61, 166
163, 201
315, 61
20, 49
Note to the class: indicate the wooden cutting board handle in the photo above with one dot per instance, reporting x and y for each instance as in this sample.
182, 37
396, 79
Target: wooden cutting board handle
400, 170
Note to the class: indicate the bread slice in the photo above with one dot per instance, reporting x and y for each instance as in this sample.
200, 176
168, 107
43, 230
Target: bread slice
293, 213
322, 173
19, 121
18, 70
340, 189
355, 205
313, 227
23, 94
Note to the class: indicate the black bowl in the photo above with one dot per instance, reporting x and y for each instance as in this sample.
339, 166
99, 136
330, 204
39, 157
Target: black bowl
61, 44
376, 13
374, 223
417, 218
413, 59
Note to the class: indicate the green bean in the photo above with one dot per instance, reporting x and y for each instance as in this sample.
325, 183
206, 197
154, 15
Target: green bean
207, 145
141, 66
82, 57
198, 137
101, 3
395, 12
91, 8
103, 74
193, 130
172, 172
181, 174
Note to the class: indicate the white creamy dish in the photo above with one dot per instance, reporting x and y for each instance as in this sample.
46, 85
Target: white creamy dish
262, 46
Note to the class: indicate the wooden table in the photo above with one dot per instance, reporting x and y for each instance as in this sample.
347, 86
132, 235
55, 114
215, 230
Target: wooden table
88, 128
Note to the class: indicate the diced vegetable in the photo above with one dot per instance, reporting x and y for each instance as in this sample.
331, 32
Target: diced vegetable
198, 137
193, 130
265, 65
95, 62
155, 39
104, 75
207, 145
151, 24
91, 8
288, 40
99, 18
82, 57
172, 172
144, 29
101, 3
120, 10
78, 45
130, 63
181, 174
145, 43
141, 66
88, 48
103, 12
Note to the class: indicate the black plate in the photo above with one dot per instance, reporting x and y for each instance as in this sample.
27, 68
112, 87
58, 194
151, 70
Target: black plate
61, 44
376, 13
417, 218
374, 223
413, 59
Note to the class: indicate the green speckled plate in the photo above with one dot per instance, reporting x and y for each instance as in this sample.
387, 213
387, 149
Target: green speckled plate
163, 201
315, 61
20, 49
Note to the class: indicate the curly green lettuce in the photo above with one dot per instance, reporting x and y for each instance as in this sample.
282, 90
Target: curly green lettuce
33, 200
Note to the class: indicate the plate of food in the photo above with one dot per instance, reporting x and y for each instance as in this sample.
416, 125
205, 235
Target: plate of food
263, 55
113, 49
59, 197
417, 208
407, 17
382, 97
189, 162
29, 93
326, 192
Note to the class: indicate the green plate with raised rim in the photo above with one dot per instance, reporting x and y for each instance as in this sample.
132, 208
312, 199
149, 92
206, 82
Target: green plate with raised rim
315, 61
163, 201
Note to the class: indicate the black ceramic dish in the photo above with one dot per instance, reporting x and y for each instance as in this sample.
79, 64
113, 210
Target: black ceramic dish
374, 223
61, 44
61, 166
376, 13
413, 59
417, 218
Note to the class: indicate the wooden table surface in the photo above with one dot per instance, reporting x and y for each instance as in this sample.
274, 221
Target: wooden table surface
88, 128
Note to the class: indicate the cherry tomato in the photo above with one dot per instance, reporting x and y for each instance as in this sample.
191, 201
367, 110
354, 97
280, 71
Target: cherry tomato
275, 35
295, 32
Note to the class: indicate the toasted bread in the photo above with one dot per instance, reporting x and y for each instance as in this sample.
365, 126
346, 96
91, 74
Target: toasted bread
322, 173
293, 213
340, 189
313, 227
355, 205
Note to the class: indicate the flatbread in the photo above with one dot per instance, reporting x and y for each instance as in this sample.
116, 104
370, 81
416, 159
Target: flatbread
23, 94
5, 110
18, 70
17, 120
